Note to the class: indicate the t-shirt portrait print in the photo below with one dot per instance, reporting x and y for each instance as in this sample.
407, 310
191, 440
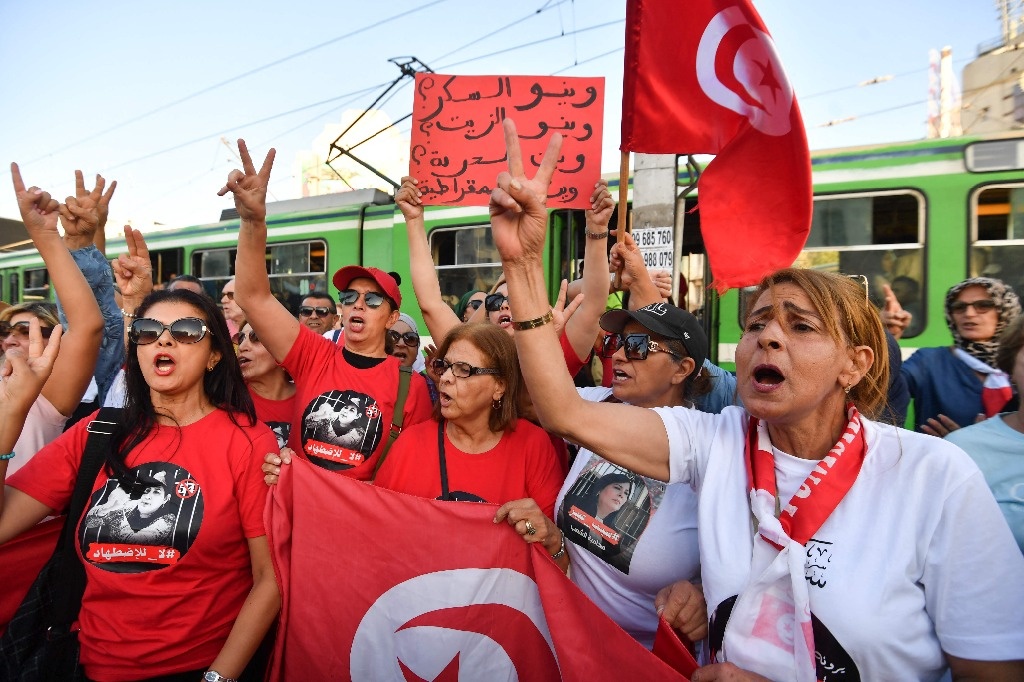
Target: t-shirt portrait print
144, 521
341, 429
607, 509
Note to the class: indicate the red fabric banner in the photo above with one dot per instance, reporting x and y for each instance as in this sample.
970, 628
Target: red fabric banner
378, 585
458, 144
703, 77
21, 560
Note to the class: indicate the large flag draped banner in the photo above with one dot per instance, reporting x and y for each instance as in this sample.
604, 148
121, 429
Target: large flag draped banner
378, 585
703, 77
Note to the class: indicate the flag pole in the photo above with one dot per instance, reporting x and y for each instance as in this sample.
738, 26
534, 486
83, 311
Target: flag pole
620, 232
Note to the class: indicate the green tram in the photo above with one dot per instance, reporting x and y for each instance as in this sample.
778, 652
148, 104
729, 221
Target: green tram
919, 216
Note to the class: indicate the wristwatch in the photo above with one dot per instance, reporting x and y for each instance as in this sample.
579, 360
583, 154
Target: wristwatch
214, 676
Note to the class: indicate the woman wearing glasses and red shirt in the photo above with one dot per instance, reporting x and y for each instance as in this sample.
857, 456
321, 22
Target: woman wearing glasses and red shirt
477, 448
204, 599
953, 385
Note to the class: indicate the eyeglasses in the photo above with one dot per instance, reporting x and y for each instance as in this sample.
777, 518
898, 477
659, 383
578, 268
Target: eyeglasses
493, 302
637, 346
474, 303
863, 281
982, 305
321, 311
241, 336
410, 338
21, 329
145, 330
230, 295
373, 299
461, 370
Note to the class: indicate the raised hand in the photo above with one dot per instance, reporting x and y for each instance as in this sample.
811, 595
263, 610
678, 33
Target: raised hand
133, 271
560, 312
518, 204
249, 187
408, 199
24, 376
38, 209
894, 317
81, 214
601, 207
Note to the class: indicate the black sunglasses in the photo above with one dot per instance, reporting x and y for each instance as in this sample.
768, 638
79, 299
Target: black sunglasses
637, 346
373, 299
308, 310
493, 302
461, 370
474, 303
982, 305
21, 329
241, 336
146, 330
411, 338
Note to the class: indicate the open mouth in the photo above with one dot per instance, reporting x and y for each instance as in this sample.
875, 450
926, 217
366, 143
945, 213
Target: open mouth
768, 375
164, 364
504, 320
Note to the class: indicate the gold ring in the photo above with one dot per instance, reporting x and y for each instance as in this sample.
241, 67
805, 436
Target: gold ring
530, 530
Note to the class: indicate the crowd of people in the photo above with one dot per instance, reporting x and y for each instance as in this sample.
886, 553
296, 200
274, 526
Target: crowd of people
778, 518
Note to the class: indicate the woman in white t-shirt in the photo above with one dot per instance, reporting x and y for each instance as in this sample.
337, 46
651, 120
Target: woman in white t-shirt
631, 540
832, 547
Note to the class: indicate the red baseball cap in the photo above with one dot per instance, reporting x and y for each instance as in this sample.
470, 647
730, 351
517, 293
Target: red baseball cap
344, 277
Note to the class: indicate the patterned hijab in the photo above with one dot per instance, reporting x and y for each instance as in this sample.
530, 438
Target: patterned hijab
1007, 305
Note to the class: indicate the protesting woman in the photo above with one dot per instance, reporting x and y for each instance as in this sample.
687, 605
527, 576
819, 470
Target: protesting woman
201, 598
476, 448
273, 393
953, 385
829, 543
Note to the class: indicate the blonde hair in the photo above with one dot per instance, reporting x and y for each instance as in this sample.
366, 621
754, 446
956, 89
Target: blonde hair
45, 311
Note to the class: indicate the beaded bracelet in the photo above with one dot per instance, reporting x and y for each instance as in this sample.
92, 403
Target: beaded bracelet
127, 314
534, 323
561, 549
596, 235
9, 455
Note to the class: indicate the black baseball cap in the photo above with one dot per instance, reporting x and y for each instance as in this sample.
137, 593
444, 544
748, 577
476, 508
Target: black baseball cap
666, 321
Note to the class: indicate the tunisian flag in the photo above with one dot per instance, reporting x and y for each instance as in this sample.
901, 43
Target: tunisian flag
703, 77
379, 585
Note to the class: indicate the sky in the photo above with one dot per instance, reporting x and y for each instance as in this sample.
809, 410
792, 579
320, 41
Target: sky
143, 92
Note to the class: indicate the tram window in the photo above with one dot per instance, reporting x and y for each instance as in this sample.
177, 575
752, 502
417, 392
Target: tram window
879, 235
997, 249
295, 269
13, 287
466, 259
37, 285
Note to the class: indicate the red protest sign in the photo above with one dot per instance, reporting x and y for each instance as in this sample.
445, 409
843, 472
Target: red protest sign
458, 147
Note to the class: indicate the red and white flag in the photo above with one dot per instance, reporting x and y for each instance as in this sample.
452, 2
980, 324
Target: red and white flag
703, 77
378, 585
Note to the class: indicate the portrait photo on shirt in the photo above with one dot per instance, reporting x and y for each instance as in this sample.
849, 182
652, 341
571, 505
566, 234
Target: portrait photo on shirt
281, 431
607, 509
143, 521
340, 429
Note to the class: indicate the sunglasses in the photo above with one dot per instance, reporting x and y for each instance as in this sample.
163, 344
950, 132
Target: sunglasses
982, 305
636, 346
493, 302
145, 330
308, 310
21, 329
241, 336
230, 295
410, 338
460, 370
373, 299
474, 303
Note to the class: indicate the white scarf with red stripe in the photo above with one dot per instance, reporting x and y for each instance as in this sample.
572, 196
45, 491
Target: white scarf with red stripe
995, 391
771, 621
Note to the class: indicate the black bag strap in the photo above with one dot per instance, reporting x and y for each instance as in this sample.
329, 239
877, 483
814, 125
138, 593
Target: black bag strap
442, 461
70, 576
404, 379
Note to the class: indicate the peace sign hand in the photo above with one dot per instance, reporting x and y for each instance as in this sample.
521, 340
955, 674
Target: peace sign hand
249, 187
133, 271
80, 214
38, 209
518, 204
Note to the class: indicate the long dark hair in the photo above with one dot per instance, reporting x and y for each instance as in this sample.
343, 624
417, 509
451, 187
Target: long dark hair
223, 385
